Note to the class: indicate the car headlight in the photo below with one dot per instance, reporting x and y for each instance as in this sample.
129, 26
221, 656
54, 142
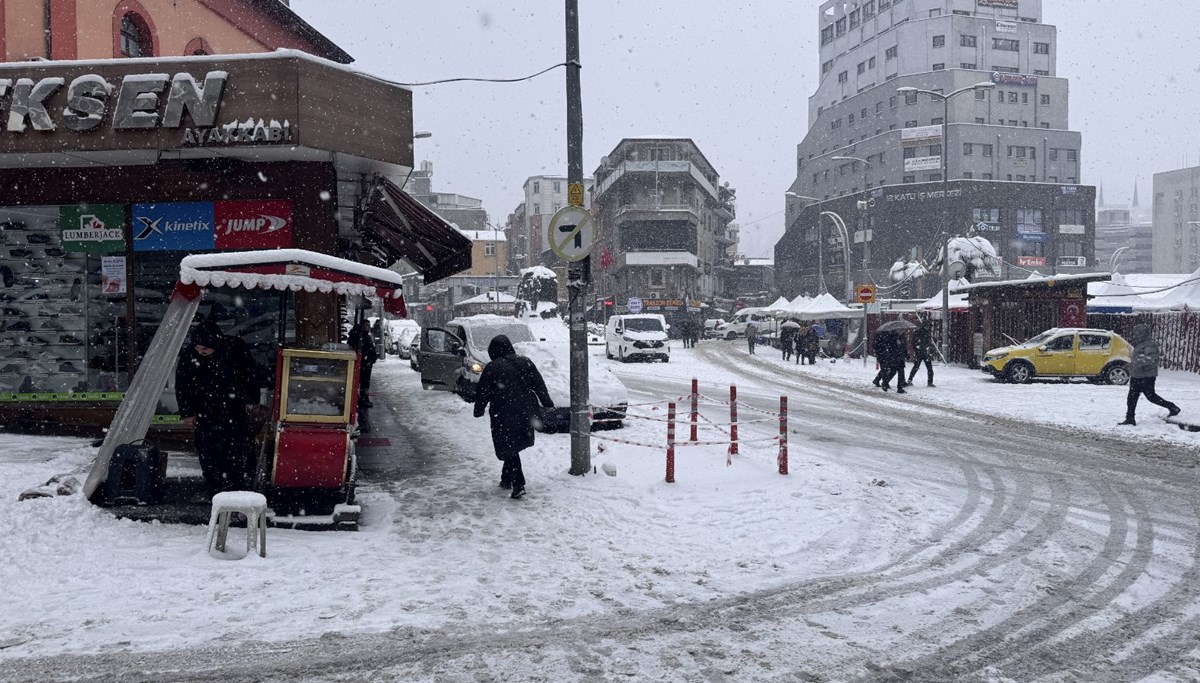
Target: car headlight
476, 368
624, 338
993, 356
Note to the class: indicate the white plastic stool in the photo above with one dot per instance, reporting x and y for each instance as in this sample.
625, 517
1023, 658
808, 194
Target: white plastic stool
253, 506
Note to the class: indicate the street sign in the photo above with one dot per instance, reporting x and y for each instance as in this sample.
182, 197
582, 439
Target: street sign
864, 294
634, 305
575, 194
571, 233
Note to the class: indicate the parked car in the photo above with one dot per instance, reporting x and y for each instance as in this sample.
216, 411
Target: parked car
710, 327
1097, 355
402, 333
414, 351
637, 337
736, 327
451, 358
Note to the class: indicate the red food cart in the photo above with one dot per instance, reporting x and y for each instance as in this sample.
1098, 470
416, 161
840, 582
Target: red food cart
307, 463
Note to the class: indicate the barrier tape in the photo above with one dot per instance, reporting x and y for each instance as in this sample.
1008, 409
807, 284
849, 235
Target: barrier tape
655, 446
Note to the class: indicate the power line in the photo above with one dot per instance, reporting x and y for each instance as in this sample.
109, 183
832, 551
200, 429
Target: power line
487, 80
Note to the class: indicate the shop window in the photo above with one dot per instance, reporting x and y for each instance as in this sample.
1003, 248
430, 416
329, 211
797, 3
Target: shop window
135, 37
658, 278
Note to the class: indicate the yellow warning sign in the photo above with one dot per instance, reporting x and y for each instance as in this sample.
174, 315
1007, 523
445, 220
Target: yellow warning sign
575, 194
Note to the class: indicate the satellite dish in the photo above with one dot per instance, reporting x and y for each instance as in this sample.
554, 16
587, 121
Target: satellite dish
958, 270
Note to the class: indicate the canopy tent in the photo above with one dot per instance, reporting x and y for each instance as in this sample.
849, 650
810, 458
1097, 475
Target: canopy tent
1115, 296
825, 307
788, 309
1184, 296
958, 304
780, 306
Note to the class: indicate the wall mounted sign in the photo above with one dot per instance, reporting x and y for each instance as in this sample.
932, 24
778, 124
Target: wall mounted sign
1031, 261
923, 196
92, 228
1007, 4
112, 270
1000, 78
173, 226
253, 224
922, 164
921, 135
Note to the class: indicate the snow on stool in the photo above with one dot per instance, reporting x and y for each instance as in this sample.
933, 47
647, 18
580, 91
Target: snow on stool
253, 506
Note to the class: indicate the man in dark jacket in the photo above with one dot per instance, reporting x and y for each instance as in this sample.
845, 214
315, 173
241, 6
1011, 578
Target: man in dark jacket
1143, 373
514, 388
890, 350
923, 351
216, 386
361, 340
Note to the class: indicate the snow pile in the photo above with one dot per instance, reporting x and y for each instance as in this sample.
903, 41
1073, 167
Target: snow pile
538, 273
906, 270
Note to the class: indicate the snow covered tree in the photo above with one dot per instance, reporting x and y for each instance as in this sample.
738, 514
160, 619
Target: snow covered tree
977, 255
537, 292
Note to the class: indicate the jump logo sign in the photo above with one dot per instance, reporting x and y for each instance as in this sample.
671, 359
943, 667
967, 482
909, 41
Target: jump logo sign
208, 226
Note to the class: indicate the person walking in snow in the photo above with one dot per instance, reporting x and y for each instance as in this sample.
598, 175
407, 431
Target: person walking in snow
923, 352
216, 387
1143, 373
787, 332
513, 392
751, 335
890, 349
810, 343
361, 340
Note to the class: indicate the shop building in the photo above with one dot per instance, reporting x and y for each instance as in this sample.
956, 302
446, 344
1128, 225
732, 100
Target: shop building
112, 170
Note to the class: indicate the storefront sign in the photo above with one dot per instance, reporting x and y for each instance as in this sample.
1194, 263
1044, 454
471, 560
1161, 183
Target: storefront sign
1071, 229
923, 196
253, 224
922, 135
112, 270
985, 227
1032, 236
1007, 4
1068, 189
653, 305
1031, 261
1000, 78
922, 164
177, 226
1006, 27
92, 228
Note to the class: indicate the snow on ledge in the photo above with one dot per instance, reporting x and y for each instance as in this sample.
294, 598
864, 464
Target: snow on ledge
197, 269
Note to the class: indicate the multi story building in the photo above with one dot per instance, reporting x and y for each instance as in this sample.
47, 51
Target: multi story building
465, 212
1119, 229
865, 135
1177, 221
489, 252
663, 216
544, 196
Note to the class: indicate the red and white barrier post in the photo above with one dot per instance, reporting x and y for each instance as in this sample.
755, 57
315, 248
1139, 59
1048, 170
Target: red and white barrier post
783, 454
670, 443
695, 407
733, 437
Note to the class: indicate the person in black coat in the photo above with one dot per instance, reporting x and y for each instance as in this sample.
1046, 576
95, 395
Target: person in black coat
216, 387
890, 350
516, 392
361, 340
923, 352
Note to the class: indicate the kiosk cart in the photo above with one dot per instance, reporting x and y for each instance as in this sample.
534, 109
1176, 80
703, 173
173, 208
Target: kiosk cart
311, 446
308, 462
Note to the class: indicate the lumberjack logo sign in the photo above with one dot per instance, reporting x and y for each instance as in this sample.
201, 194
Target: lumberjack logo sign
141, 101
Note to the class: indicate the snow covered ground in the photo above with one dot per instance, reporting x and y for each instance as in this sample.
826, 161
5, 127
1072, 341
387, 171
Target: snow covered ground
442, 548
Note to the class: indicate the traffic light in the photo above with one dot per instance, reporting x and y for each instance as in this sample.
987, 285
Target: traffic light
609, 303
429, 308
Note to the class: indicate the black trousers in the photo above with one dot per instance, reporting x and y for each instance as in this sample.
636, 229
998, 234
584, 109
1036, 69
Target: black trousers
225, 450
917, 366
1144, 386
887, 372
364, 381
750, 342
511, 472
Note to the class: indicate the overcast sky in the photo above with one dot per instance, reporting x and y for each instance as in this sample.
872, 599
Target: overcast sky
735, 77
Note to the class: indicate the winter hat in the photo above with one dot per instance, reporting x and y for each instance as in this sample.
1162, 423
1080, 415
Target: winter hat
500, 347
207, 334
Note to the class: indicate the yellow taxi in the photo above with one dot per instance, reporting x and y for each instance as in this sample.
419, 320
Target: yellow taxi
1097, 355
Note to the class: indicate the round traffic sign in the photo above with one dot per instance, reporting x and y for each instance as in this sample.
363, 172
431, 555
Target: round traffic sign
634, 305
571, 233
865, 294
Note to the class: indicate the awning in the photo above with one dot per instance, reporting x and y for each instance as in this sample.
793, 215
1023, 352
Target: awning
402, 228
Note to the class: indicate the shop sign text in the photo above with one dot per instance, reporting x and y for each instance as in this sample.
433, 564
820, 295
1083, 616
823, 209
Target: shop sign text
208, 226
923, 196
92, 229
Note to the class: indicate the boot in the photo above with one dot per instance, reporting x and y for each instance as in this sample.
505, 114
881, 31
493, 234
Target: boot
1173, 411
1128, 421
518, 494
900, 390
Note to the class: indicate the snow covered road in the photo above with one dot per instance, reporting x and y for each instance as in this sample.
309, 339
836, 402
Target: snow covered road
912, 540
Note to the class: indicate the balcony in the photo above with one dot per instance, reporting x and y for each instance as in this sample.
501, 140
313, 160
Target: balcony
659, 258
726, 211
666, 212
726, 238
652, 167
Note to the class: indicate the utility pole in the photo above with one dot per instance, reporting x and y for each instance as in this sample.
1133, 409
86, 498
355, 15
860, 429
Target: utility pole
578, 272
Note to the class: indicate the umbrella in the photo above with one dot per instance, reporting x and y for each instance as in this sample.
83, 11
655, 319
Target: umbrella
791, 323
896, 326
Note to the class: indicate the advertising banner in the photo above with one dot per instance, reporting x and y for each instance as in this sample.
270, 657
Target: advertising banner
1032, 236
253, 224
112, 269
1031, 261
922, 135
175, 226
1007, 4
923, 164
92, 228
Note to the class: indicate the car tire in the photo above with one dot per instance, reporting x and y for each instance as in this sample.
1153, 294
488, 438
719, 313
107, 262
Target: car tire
607, 353
1117, 374
730, 336
1018, 372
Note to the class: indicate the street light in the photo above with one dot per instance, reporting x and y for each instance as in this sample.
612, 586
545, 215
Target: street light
985, 85
1116, 258
841, 226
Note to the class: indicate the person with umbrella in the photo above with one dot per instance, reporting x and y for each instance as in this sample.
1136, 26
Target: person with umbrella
891, 349
787, 335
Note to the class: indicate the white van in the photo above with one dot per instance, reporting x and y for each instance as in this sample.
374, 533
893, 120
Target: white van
736, 327
637, 337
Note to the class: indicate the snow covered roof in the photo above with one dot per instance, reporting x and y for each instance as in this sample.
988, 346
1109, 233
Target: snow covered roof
1037, 279
485, 235
488, 298
291, 269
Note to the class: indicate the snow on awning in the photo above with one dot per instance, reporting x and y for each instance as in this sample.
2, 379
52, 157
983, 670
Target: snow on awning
404, 229
295, 270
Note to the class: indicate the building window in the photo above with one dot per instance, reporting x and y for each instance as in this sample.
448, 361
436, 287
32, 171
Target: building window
1054, 155
850, 118
892, 101
868, 9
878, 107
843, 77
1013, 97
936, 121
1006, 44
1045, 99
826, 67
489, 249
987, 150
980, 119
826, 35
1005, 69
1070, 217
910, 152
909, 179
1072, 155
939, 41
985, 215
968, 149
537, 189
855, 18
871, 63
557, 186
934, 177
835, 124
862, 68
135, 36
939, 67
967, 175
889, 54
910, 98
987, 176
966, 41
910, 124
840, 26
1024, 98
657, 277
1012, 122
1040, 72
970, 65
935, 150
537, 211
1041, 48
1020, 178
